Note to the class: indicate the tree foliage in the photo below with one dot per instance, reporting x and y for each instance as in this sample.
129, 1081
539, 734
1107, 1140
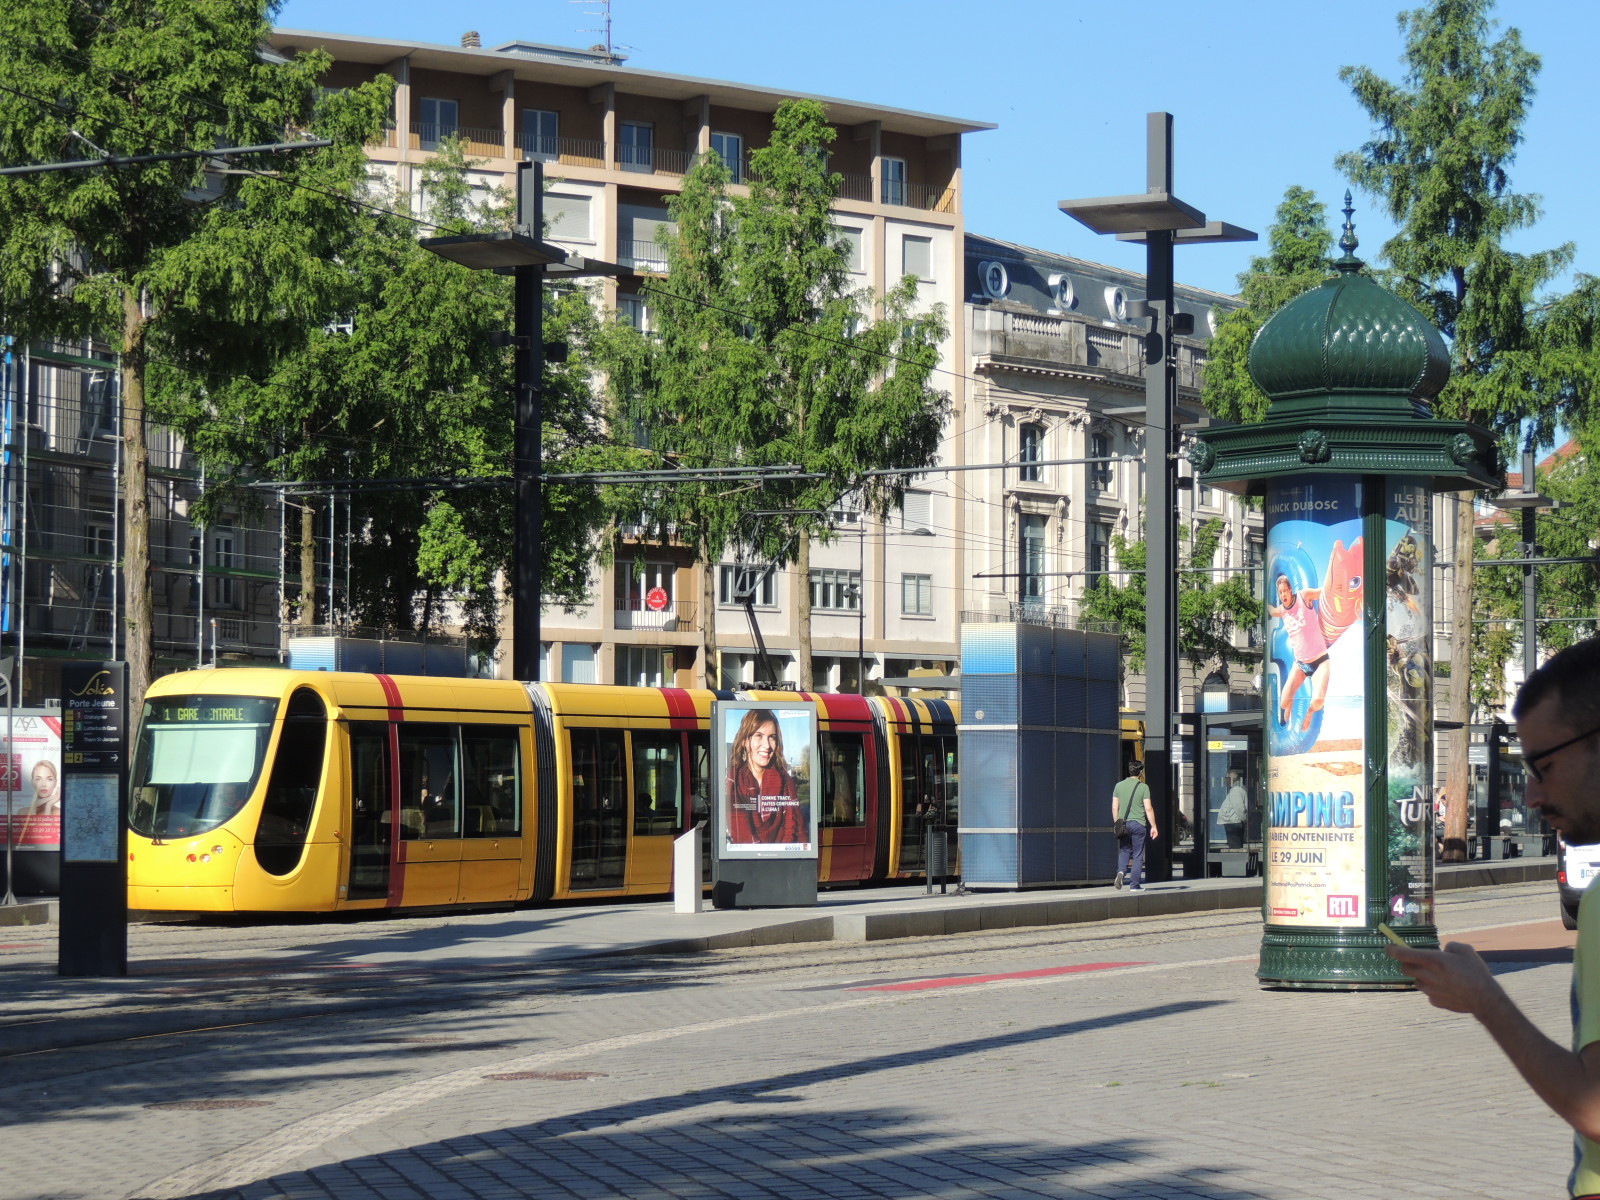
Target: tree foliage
1297, 260
146, 255
1212, 607
1439, 159
407, 385
763, 354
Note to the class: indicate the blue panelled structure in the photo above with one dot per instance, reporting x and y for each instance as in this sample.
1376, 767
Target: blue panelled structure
1040, 739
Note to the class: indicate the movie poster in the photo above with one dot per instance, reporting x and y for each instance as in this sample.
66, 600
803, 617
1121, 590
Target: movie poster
766, 755
1408, 622
31, 767
1315, 828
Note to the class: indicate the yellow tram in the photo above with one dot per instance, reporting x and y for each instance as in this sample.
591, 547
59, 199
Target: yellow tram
262, 790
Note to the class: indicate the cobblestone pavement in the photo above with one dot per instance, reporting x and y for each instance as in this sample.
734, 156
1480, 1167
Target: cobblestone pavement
1122, 1060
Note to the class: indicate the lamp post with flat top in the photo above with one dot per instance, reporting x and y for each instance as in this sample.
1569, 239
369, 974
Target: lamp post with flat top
522, 253
1161, 221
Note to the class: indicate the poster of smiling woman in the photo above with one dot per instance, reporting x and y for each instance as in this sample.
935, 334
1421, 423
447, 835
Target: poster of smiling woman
766, 754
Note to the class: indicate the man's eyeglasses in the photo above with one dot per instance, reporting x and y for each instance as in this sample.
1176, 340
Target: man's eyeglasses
1529, 761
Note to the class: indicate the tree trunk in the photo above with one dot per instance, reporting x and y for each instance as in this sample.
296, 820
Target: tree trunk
137, 598
1458, 780
710, 667
308, 565
802, 609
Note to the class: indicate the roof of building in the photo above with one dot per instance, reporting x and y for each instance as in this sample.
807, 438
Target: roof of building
579, 68
1085, 265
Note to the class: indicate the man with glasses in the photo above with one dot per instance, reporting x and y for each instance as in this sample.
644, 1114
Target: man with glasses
1558, 718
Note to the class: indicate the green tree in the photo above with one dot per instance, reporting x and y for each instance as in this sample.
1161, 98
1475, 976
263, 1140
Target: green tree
1212, 606
142, 253
408, 386
1439, 159
1297, 260
764, 355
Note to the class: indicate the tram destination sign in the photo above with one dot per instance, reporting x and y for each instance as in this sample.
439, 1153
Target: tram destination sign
93, 703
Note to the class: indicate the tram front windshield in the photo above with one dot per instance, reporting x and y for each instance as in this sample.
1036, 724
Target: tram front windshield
196, 762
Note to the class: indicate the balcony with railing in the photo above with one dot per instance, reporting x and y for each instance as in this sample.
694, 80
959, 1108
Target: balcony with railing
678, 614
569, 152
643, 256
476, 141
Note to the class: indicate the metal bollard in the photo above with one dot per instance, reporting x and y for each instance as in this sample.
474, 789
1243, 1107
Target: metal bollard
936, 856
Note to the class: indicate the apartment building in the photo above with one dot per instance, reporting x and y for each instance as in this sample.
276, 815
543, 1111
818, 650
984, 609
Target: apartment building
616, 142
1058, 396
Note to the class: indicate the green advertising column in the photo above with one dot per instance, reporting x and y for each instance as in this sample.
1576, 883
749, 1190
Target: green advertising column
1348, 459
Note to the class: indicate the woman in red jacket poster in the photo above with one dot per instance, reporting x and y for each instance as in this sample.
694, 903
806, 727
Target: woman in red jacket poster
765, 808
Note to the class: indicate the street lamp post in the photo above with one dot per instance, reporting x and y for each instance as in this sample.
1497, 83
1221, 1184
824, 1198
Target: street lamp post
521, 253
1161, 221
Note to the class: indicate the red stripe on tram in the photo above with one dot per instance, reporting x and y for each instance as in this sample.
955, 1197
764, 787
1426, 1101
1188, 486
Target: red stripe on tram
923, 985
680, 709
391, 696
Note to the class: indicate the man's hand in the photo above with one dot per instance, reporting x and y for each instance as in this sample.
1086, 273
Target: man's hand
1454, 978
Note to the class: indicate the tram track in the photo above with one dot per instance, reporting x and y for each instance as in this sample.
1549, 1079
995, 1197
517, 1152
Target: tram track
222, 993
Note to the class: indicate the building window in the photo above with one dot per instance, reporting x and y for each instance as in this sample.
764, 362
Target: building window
645, 588
633, 310
224, 588
1253, 556
1202, 494
1099, 553
916, 511
636, 147
1100, 472
916, 254
916, 595
578, 663
644, 666
440, 120
894, 181
1030, 453
729, 147
836, 591
851, 237
736, 580
1031, 557
540, 130
568, 218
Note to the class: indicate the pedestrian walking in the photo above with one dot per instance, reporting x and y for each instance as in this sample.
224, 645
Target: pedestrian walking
1558, 718
1134, 820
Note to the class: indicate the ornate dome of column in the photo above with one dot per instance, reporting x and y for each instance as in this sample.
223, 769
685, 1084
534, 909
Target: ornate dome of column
1349, 346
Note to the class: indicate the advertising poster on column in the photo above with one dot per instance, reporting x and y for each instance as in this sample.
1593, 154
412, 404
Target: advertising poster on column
32, 762
1315, 705
766, 756
1408, 624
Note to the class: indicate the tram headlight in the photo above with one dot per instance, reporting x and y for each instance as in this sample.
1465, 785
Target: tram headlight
191, 858
216, 849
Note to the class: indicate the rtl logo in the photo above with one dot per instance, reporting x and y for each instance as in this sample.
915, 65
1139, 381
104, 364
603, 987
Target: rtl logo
1343, 906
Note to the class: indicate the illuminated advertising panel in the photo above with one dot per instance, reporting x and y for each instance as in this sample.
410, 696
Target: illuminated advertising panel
766, 755
1315, 827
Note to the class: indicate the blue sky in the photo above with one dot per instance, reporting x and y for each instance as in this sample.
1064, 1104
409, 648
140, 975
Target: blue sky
1252, 84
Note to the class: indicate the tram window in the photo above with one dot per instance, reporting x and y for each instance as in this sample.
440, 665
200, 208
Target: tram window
700, 778
369, 777
430, 804
843, 781
196, 761
292, 787
657, 783
491, 780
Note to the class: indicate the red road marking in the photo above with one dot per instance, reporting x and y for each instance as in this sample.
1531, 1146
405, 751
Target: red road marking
921, 985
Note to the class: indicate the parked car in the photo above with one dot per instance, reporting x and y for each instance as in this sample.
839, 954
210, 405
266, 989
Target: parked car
1576, 868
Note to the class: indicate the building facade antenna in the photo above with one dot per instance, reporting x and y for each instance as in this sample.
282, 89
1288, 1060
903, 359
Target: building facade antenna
606, 45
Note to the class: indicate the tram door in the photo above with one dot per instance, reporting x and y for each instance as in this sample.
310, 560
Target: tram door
372, 812
657, 808
599, 808
844, 807
928, 794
